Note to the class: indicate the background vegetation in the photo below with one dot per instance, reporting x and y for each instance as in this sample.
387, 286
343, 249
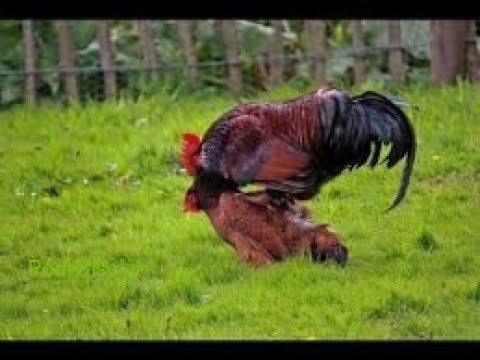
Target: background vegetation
255, 40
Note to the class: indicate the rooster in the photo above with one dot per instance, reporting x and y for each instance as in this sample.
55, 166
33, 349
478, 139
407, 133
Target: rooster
295, 147
260, 232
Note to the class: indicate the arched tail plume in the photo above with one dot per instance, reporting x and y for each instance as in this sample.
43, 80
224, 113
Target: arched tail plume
389, 124
357, 133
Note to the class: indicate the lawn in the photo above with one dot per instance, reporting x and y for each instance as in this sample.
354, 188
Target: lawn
94, 243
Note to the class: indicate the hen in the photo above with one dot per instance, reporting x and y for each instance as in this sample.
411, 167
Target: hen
296, 146
260, 233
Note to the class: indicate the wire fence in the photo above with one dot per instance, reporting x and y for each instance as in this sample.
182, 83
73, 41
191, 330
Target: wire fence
91, 84
344, 52
110, 77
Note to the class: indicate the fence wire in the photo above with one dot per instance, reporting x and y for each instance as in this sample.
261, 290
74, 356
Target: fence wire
345, 52
128, 75
135, 80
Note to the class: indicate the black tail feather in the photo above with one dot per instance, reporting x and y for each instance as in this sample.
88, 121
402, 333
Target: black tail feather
371, 120
376, 154
400, 134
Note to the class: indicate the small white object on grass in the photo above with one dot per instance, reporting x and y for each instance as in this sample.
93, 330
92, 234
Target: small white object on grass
141, 122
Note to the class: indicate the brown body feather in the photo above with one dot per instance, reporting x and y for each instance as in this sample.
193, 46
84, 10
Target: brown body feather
261, 233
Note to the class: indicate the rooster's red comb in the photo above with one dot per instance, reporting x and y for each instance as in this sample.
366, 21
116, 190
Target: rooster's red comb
191, 143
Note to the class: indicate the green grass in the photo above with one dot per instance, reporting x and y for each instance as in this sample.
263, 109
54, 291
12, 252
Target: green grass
94, 245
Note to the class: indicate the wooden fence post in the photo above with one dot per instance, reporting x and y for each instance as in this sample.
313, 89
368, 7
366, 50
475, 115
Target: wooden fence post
472, 54
186, 38
316, 46
359, 49
396, 60
229, 32
275, 54
106, 58
67, 59
30, 57
447, 49
145, 32
261, 72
